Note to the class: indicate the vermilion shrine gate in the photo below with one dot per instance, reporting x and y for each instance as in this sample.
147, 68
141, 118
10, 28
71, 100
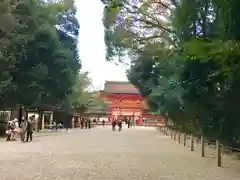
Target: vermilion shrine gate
125, 102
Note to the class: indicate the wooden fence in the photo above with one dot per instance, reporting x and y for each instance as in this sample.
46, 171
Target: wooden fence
192, 142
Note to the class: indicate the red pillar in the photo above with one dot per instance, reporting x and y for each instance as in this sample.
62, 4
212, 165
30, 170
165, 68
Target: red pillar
140, 121
110, 114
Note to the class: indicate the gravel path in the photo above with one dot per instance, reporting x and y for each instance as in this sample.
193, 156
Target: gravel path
100, 154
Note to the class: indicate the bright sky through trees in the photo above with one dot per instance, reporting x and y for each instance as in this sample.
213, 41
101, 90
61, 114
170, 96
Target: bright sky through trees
91, 44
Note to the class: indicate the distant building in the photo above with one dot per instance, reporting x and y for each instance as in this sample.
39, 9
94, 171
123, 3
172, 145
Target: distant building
125, 102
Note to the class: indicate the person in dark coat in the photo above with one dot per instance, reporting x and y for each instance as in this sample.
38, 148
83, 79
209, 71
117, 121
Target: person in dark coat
30, 128
82, 123
89, 124
86, 123
128, 123
113, 125
119, 125
103, 122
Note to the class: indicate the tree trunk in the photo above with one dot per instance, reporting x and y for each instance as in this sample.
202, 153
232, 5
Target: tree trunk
20, 114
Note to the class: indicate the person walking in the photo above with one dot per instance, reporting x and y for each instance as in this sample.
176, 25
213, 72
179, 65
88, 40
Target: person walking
23, 129
113, 125
9, 129
29, 129
89, 124
128, 123
82, 123
120, 125
86, 123
15, 129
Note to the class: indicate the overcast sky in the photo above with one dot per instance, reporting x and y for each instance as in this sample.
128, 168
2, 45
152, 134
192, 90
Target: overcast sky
91, 44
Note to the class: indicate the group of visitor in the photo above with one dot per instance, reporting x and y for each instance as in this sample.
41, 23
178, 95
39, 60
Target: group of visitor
85, 123
12, 129
119, 123
25, 129
129, 123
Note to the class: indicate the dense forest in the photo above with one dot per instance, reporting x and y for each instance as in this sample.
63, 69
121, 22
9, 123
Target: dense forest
184, 59
39, 62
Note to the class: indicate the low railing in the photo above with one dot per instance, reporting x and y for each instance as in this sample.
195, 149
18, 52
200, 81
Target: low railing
207, 148
54, 126
151, 124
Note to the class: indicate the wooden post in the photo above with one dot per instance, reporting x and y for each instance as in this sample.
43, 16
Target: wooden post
202, 146
43, 122
51, 118
179, 137
184, 139
219, 160
175, 134
191, 143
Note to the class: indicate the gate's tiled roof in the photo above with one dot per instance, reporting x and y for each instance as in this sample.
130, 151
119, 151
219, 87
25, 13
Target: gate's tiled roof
117, 87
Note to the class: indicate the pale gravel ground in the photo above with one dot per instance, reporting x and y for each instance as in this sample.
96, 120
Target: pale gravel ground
100, 154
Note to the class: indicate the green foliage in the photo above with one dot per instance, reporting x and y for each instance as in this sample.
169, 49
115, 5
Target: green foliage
81, 99
130, 25
39, 62
189, 72
78, 97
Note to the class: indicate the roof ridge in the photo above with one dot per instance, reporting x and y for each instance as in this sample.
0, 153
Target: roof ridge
120, 87
119, 82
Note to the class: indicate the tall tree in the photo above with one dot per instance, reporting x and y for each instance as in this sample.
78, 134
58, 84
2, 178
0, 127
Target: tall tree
130, 25
191, 73
45, 62
7, 60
